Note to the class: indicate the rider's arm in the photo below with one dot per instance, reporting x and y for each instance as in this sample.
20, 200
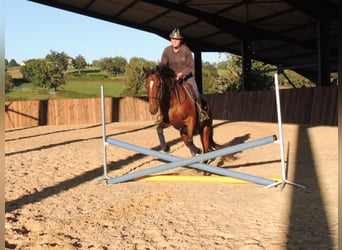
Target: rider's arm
189, 64
164, 59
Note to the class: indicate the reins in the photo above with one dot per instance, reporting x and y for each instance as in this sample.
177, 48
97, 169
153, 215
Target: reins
174, 85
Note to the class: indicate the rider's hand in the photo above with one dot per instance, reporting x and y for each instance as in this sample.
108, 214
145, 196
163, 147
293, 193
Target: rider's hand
179, 75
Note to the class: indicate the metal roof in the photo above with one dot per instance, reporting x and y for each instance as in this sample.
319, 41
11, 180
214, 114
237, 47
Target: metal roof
287, 33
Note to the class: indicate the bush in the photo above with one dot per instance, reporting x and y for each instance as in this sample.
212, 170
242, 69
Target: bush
86, 76
8, 82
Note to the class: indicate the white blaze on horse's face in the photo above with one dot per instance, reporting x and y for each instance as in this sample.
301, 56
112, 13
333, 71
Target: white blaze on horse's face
152, 99
151, 88
151, 84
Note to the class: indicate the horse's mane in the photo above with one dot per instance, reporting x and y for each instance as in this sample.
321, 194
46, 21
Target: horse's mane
165, 71
167, 75
161, 69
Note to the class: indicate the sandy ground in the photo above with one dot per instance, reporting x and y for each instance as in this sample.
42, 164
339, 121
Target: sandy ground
54, 200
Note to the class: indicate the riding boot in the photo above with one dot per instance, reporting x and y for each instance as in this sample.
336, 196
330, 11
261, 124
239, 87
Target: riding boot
203, 116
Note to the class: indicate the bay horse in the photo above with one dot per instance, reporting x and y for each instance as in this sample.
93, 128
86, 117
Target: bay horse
176, 104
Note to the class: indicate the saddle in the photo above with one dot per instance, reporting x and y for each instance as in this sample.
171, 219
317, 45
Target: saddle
187, 86
190, 91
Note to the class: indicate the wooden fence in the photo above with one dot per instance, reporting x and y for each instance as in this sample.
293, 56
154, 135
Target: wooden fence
316, 106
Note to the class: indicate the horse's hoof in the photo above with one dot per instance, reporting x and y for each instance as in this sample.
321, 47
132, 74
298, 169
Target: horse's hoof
166, 149
208, 161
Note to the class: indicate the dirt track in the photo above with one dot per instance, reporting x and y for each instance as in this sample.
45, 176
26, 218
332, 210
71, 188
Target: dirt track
54, 202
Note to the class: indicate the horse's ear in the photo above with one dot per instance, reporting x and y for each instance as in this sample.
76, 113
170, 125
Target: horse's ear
146, 71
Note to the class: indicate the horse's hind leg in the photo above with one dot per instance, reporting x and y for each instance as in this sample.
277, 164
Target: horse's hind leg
207, 140
163, 144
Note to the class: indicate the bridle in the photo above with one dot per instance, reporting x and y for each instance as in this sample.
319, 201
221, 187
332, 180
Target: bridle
160, 97
151, 83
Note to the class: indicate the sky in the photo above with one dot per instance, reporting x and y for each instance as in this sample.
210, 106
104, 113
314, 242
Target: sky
32, 30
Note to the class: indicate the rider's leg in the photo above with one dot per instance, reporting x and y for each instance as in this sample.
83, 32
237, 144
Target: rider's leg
202, 113
193, 83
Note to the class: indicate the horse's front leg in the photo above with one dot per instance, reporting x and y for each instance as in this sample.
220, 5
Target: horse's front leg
163, 144
205, 135
188, 141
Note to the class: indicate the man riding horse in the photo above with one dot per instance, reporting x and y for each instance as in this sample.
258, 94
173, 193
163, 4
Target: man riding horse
178, 57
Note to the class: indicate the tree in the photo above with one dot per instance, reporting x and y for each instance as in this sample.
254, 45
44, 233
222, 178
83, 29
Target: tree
222, 65
257, 79
96, 63
58, 64
37, 72
232, 80
135, 77
209, 76
48, 72
12, 63
113, 65
261, 77
80, 63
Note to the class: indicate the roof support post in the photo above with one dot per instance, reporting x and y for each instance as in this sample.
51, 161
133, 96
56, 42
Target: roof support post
246, 63
323, 78
198, 70
339, 64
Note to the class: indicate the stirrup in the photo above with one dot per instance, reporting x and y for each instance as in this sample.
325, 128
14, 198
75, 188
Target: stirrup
203, 116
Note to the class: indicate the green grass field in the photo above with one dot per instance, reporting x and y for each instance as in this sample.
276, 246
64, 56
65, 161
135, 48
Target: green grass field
74, 88
112, 87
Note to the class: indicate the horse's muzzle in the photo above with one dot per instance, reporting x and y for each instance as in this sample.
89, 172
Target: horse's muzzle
154, 111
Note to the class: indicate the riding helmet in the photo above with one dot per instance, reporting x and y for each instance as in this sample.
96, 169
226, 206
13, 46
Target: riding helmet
175, 34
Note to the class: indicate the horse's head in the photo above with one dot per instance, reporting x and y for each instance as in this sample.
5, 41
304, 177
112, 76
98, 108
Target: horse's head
154, 87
